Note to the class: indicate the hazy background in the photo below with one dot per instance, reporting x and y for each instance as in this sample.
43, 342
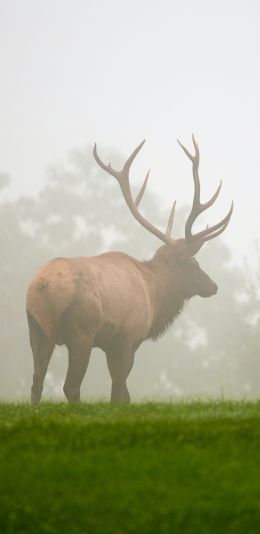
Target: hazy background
115, 72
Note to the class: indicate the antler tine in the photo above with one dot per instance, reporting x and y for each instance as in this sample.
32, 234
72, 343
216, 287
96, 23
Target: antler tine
170, 221
196, 146
131, 158
106, 168
215, 234
142, 190
123, 179
214, 197
217, 229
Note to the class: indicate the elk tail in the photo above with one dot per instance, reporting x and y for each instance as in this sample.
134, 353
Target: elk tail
39, 319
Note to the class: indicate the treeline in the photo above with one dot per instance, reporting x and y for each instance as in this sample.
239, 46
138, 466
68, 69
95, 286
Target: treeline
213, 348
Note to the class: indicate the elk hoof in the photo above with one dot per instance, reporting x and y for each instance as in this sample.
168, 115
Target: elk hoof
35, 398
71, 395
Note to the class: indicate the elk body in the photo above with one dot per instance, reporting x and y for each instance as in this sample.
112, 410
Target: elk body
113, 301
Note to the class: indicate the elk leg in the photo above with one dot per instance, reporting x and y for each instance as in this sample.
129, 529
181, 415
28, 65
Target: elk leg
79, 354
120, 364
42, 349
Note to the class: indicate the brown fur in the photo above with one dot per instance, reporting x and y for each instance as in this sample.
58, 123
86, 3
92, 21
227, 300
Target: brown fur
111, 301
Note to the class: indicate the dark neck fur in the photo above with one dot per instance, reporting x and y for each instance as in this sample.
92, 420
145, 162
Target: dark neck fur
166, 290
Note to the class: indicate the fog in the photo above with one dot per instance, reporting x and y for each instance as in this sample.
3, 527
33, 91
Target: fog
78, 72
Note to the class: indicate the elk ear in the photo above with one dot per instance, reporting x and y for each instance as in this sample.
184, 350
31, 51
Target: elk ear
190, 250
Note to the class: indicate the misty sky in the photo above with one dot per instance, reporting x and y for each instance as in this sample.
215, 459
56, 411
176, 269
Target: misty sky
78, 71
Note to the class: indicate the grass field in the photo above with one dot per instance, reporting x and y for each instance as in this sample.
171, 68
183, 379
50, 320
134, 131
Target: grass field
141, 468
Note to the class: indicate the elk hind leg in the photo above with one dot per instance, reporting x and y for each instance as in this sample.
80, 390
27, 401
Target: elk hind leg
79, 354
42, 349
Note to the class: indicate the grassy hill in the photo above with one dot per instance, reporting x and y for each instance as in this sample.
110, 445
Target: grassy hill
141, 468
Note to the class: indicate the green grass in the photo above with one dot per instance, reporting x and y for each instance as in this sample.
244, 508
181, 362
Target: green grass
144, 468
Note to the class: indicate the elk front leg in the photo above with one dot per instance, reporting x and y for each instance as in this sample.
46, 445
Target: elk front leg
120, 363
79, 354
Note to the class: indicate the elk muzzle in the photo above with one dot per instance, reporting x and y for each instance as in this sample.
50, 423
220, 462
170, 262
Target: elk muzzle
208, 288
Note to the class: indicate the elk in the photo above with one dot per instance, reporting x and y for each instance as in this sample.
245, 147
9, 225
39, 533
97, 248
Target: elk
114, 301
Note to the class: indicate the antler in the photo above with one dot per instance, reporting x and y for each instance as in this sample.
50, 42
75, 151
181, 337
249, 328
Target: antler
198, 207
123, 179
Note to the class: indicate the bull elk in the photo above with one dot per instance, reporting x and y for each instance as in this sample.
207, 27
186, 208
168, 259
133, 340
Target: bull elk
114, 301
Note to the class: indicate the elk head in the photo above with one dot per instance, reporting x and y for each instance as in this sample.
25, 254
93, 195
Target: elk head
179, 252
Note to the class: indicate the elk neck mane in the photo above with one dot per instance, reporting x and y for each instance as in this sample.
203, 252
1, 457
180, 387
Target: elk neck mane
167, 291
